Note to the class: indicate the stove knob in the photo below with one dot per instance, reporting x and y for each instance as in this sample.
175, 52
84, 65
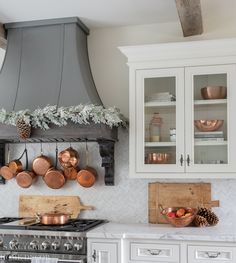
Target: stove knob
13, 244
78, 246
34, 245
45, 245
68, 246
1, 242
55, 245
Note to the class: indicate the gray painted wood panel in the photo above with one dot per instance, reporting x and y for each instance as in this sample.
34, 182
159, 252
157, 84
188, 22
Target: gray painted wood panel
77, 82
10, 70
39, 83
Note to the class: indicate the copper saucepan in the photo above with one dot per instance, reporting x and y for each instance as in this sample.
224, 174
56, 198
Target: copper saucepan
54, 178
50, 218
26, 178
12, 168
68, 158
41, 164
54, 218
87, 176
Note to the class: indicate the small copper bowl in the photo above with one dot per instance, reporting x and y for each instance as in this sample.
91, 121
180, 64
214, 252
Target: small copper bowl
158, 158
183, 221
208, 125
214, 92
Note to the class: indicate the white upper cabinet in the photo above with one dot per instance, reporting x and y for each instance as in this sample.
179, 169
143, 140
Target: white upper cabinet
175, 130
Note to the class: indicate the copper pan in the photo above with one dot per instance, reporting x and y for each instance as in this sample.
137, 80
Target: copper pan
68, 158
87, 176
12, 168
26, 178
41, 164
71, 173
50, 218
54, 178
54, 218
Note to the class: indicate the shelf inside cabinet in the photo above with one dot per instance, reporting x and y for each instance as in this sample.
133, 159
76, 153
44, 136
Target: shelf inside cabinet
160, 104
210, 143
160, 144
210, 102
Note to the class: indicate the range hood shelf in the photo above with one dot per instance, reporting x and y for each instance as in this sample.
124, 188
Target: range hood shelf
101, 133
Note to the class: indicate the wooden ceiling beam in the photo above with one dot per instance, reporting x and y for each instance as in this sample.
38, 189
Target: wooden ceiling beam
3, 39
190, 16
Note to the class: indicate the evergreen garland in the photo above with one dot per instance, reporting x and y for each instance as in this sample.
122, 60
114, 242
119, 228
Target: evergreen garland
81, 114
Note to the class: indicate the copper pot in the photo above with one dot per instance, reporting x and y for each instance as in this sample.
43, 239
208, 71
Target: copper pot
68, 158
26, 178
54, 178
71, 173
12, 168
54, 218
87, 176
41, 164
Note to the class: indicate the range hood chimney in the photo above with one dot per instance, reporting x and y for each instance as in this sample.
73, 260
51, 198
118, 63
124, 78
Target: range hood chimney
46, 62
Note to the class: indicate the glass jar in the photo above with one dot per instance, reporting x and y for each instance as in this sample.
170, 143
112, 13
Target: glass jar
155, 128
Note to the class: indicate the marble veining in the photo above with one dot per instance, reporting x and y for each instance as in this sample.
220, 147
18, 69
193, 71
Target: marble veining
220, 233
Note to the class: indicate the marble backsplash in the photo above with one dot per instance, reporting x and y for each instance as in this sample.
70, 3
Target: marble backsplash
126, 202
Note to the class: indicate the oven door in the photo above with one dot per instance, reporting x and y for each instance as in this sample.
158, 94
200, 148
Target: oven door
10, 257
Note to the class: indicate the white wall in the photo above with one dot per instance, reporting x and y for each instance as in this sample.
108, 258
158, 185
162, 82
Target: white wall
109, 67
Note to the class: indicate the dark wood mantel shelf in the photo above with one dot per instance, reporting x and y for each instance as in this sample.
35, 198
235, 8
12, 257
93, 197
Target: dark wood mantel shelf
100, 133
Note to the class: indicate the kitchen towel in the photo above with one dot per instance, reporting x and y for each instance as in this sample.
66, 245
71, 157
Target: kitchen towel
43, 260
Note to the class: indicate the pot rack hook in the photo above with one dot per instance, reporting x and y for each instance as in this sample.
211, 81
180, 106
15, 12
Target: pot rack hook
41, 147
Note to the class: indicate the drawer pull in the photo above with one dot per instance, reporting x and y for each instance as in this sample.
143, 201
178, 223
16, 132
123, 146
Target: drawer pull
212, 254
154, 252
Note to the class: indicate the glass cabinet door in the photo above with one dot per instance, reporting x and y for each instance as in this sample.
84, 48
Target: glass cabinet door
208, 109
160, 120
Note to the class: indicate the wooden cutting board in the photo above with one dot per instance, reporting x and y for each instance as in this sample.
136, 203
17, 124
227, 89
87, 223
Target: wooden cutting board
29, 205
177, 195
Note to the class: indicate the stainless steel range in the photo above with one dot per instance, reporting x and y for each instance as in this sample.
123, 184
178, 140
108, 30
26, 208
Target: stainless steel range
67, 243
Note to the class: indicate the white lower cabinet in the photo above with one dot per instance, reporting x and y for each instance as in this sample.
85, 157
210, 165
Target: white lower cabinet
154, 252
211, 254
104, 251
159, 251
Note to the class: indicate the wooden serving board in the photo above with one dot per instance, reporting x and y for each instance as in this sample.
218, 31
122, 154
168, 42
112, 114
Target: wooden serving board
177, 195
30, 205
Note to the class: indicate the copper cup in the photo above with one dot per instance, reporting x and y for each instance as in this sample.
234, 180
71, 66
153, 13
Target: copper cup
158, 158
214, 92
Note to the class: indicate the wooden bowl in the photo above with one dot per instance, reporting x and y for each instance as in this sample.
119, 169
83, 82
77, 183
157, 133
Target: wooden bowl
208, 125
183, 221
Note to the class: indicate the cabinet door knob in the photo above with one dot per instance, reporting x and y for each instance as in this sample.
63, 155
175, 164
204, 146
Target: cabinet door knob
94, 256
181, 159
188, 160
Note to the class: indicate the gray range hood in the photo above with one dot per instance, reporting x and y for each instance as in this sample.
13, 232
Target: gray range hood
46, 62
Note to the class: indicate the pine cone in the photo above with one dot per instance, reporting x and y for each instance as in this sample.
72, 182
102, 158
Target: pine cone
210, 216
200, 221
23, 129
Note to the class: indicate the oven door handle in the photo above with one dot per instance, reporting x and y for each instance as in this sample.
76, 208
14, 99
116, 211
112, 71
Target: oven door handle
22, 258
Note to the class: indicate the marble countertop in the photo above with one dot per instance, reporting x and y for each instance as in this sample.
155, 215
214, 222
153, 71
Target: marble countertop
222, 233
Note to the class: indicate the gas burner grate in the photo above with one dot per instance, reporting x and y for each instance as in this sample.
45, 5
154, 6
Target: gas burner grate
4, 220
73, 225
